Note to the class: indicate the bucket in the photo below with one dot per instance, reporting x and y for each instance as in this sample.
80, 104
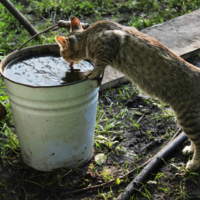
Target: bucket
54, 124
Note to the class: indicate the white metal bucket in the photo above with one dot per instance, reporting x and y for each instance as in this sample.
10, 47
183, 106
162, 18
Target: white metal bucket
55, 124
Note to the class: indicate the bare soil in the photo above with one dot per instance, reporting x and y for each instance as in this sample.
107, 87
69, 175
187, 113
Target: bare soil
138, 128
132, 129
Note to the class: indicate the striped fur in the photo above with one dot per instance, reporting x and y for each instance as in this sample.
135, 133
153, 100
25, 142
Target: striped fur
148, 64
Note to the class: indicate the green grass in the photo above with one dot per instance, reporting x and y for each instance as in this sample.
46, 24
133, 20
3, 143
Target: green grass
138, 13
12, 34
110, 119
154, 12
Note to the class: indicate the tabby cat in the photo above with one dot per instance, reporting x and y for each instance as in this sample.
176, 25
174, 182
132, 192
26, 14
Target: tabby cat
147, 63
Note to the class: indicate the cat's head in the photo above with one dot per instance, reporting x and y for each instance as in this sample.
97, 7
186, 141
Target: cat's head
69, 45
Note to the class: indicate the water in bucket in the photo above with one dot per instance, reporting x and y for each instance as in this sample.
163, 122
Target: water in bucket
45, 70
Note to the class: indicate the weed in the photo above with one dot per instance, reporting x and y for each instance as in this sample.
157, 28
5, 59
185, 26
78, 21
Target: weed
168, 115
9, 145
144, 191
126, 167
118, 181
149, 135
145, 14
164, 189
12, 34
123, 95
158, 176
106, 175
156, 117
181, 193
171, 132
192, 176
172, 160
155, 12
93, 168
107, 141
106, 196
135, 124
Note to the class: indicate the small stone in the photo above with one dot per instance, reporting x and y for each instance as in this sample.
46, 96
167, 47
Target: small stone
99, 158
99, 182
152, 182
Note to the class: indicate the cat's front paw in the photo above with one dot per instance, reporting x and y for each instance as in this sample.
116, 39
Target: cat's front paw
188, 150
87, 74
91, 75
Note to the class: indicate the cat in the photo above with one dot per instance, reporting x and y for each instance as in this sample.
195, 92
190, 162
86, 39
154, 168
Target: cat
151, 66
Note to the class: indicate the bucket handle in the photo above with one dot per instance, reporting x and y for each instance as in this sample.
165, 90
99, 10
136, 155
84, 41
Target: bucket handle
60, 24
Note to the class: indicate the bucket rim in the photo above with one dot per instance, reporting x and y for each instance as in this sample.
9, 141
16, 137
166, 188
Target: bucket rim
3, 61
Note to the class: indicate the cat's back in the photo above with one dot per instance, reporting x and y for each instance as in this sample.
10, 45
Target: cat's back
105, 25
136, 54
108, 35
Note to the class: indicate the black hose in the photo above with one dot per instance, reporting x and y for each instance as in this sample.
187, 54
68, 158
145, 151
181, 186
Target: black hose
151, 167
18, 15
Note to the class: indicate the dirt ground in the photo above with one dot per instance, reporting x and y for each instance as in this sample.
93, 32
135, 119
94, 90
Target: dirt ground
131, 129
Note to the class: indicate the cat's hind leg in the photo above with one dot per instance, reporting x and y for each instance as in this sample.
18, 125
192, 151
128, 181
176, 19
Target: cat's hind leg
194, 163
189, 149
189, 119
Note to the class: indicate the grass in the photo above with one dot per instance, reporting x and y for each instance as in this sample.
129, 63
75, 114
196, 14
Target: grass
113, 117
41, 14
12, 34
106, 175
108, 139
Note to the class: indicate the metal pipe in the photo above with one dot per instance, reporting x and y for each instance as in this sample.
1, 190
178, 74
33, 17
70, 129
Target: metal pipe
151, 167
18, 15
67, 24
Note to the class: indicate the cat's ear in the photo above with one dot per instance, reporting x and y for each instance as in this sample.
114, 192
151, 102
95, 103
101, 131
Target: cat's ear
75, 24
67, 43
73, 43
62, 42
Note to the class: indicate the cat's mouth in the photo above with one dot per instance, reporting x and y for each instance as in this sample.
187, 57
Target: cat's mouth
73, 61
76, 62
71, 65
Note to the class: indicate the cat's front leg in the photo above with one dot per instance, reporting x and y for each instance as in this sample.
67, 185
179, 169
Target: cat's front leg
87, 74
95, 73
194, 164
